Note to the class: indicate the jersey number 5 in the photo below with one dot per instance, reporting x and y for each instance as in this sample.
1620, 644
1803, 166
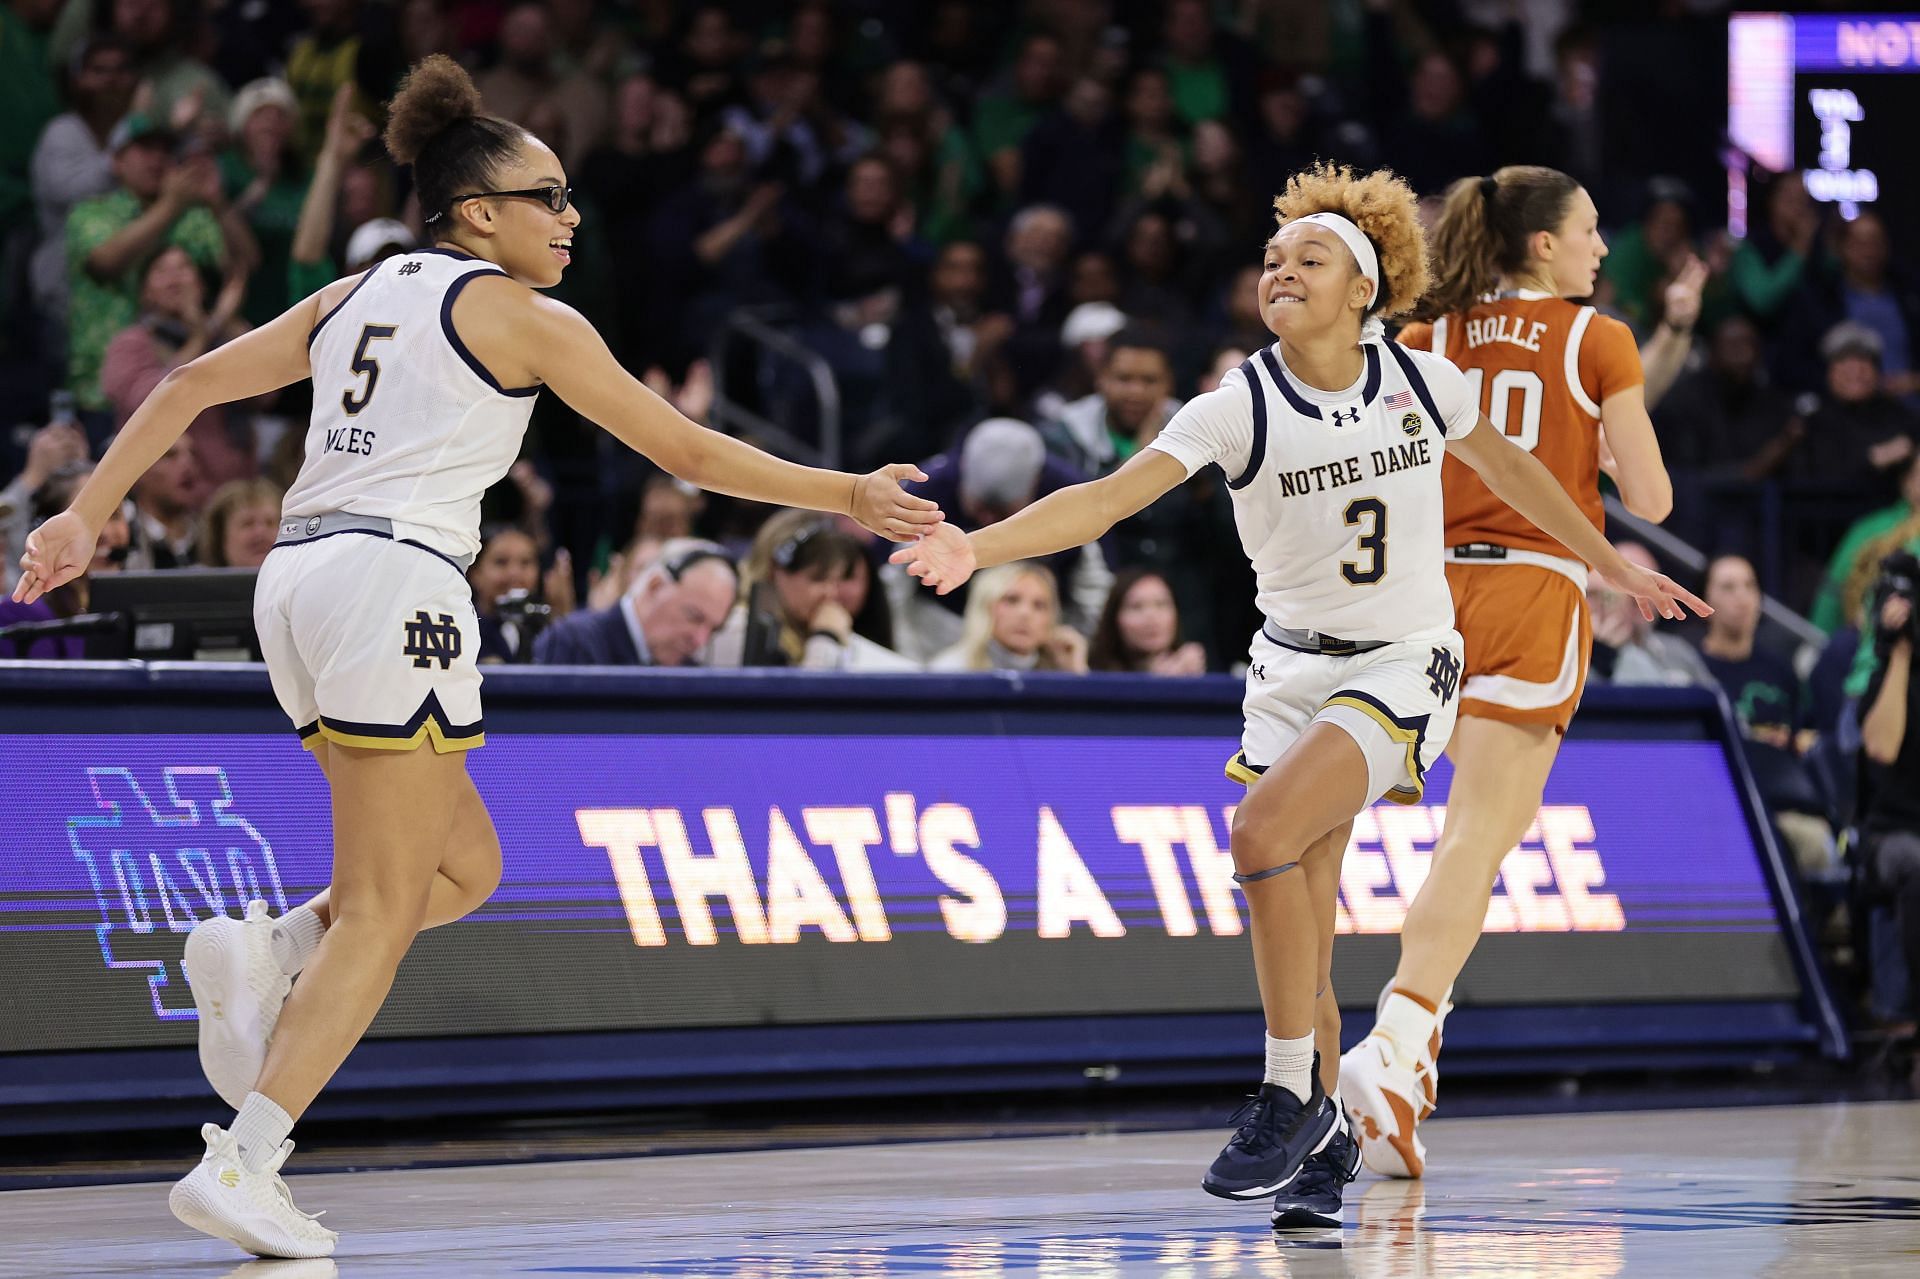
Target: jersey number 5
1373, 541
1498, 404
365, 367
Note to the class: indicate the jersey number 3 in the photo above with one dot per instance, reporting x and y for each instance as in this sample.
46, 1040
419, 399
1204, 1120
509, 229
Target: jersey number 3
1373, 541
353, 401
1498, 403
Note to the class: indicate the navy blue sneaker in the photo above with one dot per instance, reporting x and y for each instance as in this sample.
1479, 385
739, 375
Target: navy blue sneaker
1313, 1201
1276, 1134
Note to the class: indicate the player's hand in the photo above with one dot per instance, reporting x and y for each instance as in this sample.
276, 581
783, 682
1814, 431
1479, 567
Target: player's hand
57, 552
1655, 593
943, 558
882, 507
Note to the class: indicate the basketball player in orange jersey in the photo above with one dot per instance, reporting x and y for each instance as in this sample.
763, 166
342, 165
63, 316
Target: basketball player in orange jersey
1564, 383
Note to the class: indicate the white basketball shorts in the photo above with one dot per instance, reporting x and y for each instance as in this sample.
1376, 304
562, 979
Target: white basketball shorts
371, 643
1398, 702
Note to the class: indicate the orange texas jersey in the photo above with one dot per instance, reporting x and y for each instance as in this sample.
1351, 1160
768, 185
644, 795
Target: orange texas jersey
1542, 366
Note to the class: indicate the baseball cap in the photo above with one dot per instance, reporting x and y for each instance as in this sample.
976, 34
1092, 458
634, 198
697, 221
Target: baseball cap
369, 238
1851, 338
268, 91
1092, 322
138, 127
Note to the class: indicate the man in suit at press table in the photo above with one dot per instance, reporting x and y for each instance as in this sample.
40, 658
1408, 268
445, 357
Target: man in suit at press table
664, 619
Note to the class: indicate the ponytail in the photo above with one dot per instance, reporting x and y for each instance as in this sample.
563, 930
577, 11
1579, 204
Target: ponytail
1484, 227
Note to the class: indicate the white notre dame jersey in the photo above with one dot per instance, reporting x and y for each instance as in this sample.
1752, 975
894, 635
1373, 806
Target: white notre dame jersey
1337, 493
407, 424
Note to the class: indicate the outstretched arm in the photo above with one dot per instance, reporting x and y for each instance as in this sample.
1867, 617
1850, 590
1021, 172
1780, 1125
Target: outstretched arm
1522, 482
1637, 466
1070, 517
559, 347
263, 360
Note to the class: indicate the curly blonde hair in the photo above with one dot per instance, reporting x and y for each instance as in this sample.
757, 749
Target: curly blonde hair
1385, 209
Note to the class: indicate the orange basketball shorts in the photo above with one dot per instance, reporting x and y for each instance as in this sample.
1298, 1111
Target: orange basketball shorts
1527, 633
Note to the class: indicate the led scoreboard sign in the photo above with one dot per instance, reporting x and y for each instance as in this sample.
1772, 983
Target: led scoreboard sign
1829, 95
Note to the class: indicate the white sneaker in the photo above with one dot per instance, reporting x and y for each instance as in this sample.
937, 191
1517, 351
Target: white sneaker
1386, 1102
252, 1209
239, 990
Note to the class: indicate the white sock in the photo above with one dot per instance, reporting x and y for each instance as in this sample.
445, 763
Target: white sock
1290, 1065
296, 935
1407, 1026
259, 1129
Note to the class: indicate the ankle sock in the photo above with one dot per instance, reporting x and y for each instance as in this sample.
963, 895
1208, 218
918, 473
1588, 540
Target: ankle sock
259, 1129
1290, 1065
296, 935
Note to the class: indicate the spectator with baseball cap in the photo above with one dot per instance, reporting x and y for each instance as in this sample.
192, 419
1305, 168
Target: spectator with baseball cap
1857, 438
72, 163
156, 201
262, 174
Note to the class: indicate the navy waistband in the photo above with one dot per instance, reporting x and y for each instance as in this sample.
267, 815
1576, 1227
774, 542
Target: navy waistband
295, 530
1315, 642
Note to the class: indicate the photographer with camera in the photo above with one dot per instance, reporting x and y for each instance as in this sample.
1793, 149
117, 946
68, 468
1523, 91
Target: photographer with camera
513, 600
1890, 814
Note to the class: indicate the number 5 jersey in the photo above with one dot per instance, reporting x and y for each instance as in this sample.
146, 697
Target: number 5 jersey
407, 423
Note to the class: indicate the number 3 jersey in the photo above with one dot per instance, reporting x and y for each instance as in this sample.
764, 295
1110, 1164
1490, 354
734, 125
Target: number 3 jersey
1337, 493
1539, 367
407, 423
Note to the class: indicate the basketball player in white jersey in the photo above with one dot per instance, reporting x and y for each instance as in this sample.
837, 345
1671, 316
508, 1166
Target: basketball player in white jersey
425, 370
1331, 440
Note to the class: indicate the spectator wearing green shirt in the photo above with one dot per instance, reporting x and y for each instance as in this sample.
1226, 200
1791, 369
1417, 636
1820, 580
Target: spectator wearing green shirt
1210, 74
262, 174
1829, 611
27, 102
1133, 401
1002, 120
157, 201
179, 88
1768, 265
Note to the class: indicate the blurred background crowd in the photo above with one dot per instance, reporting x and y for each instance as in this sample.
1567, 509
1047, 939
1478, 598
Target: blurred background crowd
1005, 241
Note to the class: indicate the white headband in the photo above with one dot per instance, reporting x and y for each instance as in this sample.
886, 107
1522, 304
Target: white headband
1363, 254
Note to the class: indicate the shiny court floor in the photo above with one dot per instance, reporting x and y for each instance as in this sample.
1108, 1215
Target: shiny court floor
1793, 1191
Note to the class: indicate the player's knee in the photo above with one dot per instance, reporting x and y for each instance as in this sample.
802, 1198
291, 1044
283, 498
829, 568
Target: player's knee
1259, 841
481, 876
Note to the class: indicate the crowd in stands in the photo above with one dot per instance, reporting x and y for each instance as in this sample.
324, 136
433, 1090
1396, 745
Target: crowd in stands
1017, 235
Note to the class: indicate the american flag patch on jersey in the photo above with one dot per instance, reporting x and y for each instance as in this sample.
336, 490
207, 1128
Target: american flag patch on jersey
1400, 400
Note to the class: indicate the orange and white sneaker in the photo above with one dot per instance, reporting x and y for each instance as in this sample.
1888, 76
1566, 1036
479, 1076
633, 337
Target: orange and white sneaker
1386, 1100
1429, 1067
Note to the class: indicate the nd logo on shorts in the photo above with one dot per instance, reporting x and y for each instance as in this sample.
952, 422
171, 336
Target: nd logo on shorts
430, 641
1443, 674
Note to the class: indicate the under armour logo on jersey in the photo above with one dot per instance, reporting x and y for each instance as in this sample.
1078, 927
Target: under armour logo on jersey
1443, 674
1346, 417
429, 641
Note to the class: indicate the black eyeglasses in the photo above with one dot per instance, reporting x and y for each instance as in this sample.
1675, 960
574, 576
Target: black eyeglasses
556, 198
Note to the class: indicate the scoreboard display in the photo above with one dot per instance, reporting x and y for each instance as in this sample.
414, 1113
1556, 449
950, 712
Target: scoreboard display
1832, 96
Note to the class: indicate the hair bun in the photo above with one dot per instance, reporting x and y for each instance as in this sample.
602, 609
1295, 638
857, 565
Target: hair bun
436, 95
1489, 187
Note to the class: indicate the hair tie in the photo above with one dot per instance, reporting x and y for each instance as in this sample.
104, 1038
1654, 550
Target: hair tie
1488, 188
